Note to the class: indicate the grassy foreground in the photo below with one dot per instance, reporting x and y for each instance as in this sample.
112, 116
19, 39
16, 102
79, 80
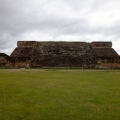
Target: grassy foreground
59, 95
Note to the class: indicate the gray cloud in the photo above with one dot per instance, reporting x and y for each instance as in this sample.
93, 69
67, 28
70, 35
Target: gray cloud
78, 20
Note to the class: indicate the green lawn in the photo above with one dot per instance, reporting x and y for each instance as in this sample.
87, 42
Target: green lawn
59, 95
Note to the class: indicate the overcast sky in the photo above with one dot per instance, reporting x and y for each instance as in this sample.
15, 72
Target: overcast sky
59, 20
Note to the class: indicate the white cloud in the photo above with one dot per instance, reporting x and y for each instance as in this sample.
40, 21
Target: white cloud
66, 20
36, 35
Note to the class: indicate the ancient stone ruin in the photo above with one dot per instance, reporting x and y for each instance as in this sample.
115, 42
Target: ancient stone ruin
33, 54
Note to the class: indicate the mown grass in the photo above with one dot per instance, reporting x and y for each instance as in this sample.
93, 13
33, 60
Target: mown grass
59, 95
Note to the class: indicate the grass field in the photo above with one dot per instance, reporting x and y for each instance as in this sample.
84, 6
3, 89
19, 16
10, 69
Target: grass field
59, 95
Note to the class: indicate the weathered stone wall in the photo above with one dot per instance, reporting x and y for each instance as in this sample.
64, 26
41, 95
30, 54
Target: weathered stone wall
26, 43
101, 44
106, 56
64, 54
64, 48
21, 56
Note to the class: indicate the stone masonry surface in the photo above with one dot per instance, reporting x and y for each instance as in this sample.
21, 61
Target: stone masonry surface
35, 54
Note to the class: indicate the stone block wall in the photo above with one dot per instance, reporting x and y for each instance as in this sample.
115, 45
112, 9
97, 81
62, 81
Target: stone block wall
101, 44
64, 54
64, 48
26, 43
